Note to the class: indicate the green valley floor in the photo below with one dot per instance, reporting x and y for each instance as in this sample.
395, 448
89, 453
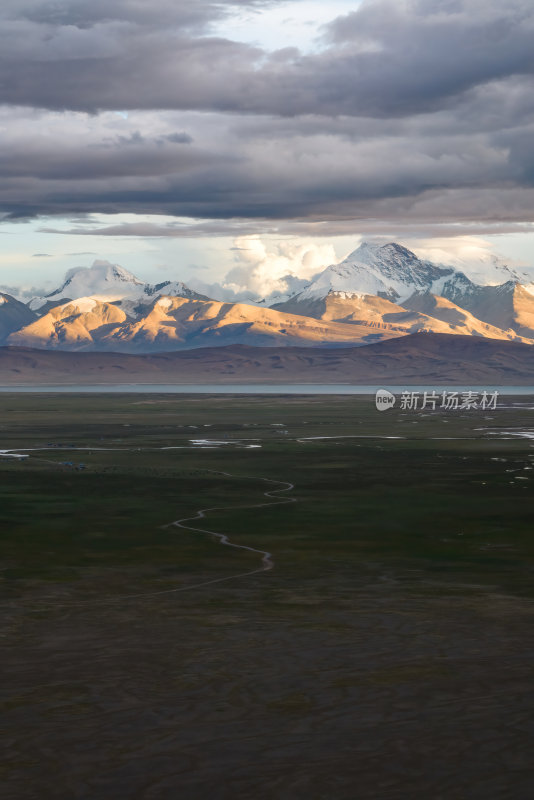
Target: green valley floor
371, 635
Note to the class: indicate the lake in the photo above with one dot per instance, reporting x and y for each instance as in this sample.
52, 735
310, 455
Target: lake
258, 388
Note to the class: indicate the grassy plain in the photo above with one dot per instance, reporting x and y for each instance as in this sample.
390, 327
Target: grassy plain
387, 655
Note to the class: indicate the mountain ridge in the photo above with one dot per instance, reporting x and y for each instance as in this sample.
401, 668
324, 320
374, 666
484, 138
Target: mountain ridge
379, 291
110, 283
434, 359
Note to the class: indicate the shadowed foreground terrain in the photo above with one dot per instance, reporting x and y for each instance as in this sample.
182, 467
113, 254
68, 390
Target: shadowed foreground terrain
388, 654
432, 358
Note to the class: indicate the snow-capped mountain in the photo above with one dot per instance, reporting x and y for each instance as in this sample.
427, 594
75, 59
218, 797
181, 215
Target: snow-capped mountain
507, 305
393, 272
390, 271
173, 323
378, 292
494, 270
109, 283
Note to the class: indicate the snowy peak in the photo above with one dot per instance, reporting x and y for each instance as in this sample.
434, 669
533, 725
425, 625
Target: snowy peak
390, 256
493, 270
100, 272
101, 277
390, 271
109, 283
506, 305
379, 290
395, 262
173, 289
103, 280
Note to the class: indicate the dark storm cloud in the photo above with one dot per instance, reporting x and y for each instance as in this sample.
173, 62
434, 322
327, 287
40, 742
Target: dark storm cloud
416, 55
284, 228
229, 168
387, 58
197, 15
125, 157
177, 138
412, 109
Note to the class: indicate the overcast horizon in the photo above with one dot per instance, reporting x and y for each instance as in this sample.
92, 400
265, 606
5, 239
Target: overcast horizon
248, 138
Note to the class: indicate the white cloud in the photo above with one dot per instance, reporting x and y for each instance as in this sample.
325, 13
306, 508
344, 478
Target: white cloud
264, 269
267, 268
475, 256
24, 293
458, 250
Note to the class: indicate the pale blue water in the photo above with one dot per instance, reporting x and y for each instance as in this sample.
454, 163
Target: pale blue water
258, 388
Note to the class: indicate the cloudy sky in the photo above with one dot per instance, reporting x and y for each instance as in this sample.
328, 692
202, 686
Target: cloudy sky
239, 141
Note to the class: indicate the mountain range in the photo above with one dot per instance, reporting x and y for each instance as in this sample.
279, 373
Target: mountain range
378, 292
428, 358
